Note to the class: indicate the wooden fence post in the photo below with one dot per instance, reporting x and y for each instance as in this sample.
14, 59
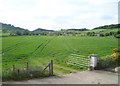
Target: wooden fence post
51, 68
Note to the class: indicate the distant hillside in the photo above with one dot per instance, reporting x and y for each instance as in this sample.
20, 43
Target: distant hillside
107, 30
42, 30
82, 29
112, 26
8, 28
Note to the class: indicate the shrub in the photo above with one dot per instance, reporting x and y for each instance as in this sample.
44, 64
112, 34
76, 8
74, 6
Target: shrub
116, 50
108, 62
117, 35
116, 53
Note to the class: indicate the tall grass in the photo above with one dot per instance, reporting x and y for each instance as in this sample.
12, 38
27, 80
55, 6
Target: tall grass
21, 74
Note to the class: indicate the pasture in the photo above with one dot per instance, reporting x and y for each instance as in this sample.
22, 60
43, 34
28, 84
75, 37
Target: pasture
39, 50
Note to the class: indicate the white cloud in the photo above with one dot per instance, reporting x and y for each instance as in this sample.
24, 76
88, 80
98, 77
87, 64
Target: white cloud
57, 14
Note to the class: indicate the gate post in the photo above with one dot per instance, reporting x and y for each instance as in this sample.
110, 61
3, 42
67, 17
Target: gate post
51, 67
93, 61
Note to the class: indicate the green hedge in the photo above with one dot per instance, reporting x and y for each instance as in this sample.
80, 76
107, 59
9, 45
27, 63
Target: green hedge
108, 62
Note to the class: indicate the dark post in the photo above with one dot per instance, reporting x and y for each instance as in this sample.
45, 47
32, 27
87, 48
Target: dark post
18, 71
51, 68
27, 66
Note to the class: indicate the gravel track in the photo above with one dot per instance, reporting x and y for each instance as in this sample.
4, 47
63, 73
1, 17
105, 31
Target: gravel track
85, 77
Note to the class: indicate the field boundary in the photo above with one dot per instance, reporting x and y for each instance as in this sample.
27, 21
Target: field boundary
27, 72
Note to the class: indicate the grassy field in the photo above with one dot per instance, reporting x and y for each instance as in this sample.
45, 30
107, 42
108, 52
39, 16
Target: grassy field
38, 50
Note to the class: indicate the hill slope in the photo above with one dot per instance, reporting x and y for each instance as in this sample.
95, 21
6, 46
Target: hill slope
7, 28
39, 30
116, 26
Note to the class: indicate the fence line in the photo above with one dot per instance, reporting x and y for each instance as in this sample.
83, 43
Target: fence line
26, 69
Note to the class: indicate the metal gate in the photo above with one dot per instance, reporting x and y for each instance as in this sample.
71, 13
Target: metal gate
78, 60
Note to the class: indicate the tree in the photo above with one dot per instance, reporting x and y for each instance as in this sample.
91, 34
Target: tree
26, 32
18, 33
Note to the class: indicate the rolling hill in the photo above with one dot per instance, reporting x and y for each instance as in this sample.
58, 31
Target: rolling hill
9, 29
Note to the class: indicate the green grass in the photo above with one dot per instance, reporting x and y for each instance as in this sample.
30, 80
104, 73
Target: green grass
39, 50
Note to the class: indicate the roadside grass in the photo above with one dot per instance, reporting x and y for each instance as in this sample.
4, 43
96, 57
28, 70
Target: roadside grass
23, 75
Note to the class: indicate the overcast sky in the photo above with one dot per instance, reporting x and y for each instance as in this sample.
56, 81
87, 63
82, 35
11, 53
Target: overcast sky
58, 14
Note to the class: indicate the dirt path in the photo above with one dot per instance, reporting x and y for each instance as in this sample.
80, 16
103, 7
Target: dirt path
85, 77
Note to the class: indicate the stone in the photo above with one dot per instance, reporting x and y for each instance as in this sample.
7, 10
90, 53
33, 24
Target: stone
117, 69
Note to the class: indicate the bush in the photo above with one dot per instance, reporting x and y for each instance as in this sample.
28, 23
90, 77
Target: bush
117, 35
108, 62
116, 50
116, 53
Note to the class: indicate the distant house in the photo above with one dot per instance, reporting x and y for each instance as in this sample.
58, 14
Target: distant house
100, 34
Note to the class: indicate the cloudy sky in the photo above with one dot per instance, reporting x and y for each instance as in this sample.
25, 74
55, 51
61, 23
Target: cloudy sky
58, 14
